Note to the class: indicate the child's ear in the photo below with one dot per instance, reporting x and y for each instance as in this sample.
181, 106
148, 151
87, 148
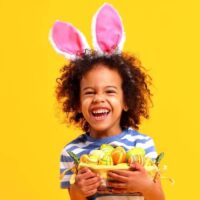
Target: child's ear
125, 108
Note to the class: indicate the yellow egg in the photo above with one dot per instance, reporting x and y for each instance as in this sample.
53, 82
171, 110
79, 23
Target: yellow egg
84, 158
136, 159
97, 153
93, 159
106, 160
107, 148
135, 151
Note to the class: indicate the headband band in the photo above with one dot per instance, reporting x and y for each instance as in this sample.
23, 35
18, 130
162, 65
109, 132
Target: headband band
107, 32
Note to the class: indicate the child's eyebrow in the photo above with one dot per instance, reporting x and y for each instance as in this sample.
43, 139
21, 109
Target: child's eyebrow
113, 87
86, 88
106, 87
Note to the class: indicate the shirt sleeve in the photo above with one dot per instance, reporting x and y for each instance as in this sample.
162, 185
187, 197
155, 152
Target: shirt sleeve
66, 163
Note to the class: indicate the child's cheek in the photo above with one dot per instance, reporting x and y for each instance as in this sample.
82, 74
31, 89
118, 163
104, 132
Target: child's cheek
85, 101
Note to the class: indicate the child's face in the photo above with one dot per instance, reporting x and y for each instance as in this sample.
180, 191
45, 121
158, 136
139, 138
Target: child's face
101, 101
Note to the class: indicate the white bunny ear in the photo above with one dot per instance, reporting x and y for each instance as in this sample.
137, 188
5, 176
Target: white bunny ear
108, 33
67, 40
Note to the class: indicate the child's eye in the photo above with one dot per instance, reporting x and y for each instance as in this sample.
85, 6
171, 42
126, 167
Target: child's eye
89, 93
110, 91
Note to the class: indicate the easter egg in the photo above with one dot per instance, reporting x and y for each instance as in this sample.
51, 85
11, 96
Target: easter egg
107, 148
136, 158
119, 155
97, 153
93, 159
88, 159
106, 160
135, 151
84, 158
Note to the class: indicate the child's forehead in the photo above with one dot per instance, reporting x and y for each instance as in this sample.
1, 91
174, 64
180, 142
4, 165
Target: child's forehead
101, 68
101, 75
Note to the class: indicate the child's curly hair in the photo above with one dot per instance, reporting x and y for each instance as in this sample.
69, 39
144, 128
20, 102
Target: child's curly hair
135, 86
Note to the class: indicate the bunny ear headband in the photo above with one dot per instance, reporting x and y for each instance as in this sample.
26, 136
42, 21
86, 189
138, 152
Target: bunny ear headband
107, 32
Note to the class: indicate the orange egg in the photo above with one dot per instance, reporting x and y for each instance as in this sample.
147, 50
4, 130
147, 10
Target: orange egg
119, 155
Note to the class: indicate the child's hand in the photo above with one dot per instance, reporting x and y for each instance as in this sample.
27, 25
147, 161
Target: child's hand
87, 181
130, 181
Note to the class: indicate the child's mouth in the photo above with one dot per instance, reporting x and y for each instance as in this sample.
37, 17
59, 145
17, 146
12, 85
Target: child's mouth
100, 114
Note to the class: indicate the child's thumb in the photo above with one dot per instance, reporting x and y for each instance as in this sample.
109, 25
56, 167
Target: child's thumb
137, 167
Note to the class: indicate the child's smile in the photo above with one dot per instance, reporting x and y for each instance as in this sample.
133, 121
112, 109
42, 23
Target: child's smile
101, 98
100, 113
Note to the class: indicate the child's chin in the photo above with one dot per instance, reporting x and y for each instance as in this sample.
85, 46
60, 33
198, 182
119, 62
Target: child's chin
99, 129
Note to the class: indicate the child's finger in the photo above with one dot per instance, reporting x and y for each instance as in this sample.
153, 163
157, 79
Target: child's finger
124, 173
91, 187
136, 166
93, 180
117, 185
83, 170
85, 175
118, 176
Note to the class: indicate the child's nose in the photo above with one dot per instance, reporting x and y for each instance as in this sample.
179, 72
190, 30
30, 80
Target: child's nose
98, 98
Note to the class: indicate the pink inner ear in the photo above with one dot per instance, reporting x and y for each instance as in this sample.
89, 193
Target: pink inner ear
109, 30
66, 38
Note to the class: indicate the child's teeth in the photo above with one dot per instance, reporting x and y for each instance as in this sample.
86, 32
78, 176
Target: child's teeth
100, 111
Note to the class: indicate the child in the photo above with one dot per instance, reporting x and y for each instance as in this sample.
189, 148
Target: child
105, 92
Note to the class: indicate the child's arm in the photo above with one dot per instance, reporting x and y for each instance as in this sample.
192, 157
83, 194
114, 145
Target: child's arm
86, 185
75, 193
136, 181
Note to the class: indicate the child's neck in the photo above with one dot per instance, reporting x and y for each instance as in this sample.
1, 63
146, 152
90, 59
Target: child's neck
105, 133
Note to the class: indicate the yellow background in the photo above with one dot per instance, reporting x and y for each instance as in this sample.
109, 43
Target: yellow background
163, 34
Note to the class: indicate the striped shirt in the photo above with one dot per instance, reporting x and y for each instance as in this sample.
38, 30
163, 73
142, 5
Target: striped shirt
83, 144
